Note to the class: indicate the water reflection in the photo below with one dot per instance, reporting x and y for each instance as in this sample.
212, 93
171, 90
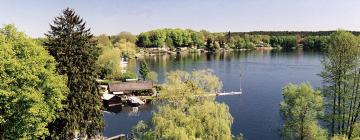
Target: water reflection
256, 112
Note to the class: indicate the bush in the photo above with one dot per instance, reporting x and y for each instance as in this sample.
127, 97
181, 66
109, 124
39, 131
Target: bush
124, 76
103, 82
152, 76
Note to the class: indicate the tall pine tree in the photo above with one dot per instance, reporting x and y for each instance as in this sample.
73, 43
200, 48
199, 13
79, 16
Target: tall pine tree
144, 70
70, 42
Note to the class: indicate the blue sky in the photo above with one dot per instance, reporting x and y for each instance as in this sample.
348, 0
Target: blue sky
113, 16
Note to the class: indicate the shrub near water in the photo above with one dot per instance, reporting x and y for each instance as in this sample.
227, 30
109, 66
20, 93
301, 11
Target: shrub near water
185, 112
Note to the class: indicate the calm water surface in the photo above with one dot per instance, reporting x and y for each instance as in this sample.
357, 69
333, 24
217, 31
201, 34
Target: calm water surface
264, 73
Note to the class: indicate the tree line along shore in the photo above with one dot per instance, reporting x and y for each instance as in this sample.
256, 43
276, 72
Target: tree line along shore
49, 88
177, 39
171, 41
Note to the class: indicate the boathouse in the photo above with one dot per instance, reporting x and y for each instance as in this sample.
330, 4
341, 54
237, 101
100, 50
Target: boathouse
110, 100
126, 88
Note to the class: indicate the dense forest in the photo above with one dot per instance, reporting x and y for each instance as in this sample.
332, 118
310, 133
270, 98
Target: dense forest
292, 33
171, 39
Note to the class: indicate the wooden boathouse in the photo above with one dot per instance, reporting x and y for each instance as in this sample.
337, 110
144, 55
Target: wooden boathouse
129, 92
130, 88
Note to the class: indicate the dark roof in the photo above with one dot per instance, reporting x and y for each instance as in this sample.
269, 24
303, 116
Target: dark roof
130, 86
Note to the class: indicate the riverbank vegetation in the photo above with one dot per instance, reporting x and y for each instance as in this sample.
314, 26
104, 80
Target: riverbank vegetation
184, 111
113, 51
48, 87
187, 40
340, 76
170, 39
300, 109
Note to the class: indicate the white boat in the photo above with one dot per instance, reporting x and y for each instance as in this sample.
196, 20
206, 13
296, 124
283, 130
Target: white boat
135, 101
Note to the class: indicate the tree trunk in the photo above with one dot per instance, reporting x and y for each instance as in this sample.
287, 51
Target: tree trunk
352, 103
333, 115
302, 129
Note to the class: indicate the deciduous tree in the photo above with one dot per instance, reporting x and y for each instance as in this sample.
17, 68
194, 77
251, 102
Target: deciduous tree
185, 111
341, 78
300, 109
31, 91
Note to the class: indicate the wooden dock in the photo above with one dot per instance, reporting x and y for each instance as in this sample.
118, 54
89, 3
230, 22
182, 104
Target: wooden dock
117, 137
230, 93
226, 93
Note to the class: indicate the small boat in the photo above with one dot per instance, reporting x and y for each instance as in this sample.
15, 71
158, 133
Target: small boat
135, 101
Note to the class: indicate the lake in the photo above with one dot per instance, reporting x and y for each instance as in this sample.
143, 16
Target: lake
264, 74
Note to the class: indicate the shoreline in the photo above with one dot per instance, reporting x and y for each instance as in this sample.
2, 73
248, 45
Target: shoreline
160, 51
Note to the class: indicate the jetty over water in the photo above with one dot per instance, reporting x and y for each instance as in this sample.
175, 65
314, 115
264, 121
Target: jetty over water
227, 93
117, 137
230, 93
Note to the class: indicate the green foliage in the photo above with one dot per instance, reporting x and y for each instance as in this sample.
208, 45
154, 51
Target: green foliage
248, 41
144, 70
205, 120
356, 131
73, 47
103, 41
209, 44
103, 82
286, 42
124, 76
109, 63
315, 42
185, 84
249, 45
197, 39
206, 34
291, 33
265, 39
141, 132
40, 41
128, 49
185, 112
300, 109
109, 60
341, 79
31, 91
170, 43
236, 42
216, 45
170, 38
152, 76
339, 137
173, 38
127, 36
